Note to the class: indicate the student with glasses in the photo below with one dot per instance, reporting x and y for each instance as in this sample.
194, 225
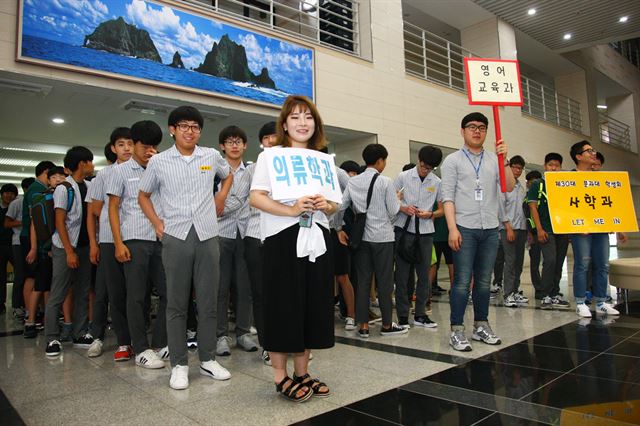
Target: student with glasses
232, 224
470, 191
592, 248
182, 178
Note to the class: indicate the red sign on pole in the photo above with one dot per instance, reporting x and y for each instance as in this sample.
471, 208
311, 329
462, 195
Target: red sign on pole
494, 82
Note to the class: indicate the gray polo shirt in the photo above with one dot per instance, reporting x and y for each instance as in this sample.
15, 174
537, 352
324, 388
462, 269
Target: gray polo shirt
420, 193
459, 184
124, 182
383, 207
15, 212
185, 185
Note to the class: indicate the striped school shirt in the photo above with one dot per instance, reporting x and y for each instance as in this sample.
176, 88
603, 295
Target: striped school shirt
73, 221
124, 182
382, 210
97, 192
420, 193
235, 216
185, 186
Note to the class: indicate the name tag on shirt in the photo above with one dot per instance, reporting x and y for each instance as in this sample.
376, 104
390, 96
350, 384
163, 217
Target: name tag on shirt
478, 194
203, 168
431, 189
132, 179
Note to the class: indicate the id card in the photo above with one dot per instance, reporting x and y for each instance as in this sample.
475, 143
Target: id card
306, 220
478, 194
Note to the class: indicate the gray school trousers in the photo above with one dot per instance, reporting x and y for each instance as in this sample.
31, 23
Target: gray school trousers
63, 278
233, 269
369, 259
186, 262
145, 268
513, 259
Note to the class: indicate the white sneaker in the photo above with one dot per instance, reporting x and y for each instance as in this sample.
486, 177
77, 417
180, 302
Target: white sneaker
95, 349
510, 301
149, 359
246, 343
266, 358
583, 310
605, 309
214, 370
253, 331
179, 377
163, 353
222, 347
349, 324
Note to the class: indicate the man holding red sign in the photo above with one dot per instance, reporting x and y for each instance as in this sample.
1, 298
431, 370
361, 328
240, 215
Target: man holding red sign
470, 189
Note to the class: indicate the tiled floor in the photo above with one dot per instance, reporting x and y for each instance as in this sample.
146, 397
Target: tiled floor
550, 369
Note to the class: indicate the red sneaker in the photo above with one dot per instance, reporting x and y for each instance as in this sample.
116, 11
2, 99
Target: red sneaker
124, 353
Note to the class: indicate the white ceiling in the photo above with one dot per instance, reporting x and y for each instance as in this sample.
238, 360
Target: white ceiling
590, 22
90, 114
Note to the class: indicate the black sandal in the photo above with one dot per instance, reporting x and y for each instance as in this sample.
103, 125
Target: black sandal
314, 384
291, 392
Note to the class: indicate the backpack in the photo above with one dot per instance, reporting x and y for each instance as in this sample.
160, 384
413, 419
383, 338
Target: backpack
531, 225
43, 214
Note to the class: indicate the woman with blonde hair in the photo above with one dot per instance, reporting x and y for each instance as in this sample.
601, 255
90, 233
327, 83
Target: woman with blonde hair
298, 274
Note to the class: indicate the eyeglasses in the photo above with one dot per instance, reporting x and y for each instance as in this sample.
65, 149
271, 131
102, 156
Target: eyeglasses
236, 142
590, 151
184, 127
473, 128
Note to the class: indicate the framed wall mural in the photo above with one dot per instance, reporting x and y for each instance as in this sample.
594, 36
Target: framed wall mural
163, 45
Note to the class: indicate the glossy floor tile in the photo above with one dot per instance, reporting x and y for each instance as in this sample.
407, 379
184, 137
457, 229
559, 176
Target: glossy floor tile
551, 368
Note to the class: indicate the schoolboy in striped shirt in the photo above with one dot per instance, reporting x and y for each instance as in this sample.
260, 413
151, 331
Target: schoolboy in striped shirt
137, 247
183, 176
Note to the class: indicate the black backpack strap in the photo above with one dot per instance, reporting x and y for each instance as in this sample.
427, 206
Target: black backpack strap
370, 193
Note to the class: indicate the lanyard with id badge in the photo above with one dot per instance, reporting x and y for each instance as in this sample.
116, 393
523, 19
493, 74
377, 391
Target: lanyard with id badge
478, 193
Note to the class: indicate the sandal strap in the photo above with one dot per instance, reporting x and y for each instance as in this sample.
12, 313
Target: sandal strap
302, 378
291, 391
279, 386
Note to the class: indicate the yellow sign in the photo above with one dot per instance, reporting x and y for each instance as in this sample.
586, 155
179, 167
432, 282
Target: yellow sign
590, 202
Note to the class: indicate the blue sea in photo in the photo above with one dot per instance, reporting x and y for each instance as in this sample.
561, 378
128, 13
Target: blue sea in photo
56, 51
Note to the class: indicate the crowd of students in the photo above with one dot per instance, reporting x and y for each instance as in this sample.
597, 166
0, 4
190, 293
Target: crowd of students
201, 231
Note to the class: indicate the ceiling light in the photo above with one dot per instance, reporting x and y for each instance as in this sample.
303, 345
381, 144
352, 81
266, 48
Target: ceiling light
531, 12
623, 19
602, 107
17, 162
58, 120
40, 151
15, 174
567, 36
24, 88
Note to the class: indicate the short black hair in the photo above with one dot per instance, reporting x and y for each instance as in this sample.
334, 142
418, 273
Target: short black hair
577, 149
9, 187
231, 132
119, 133
43, 166
146, 132
430, 155
517, 159
600, 157
374, 152
109, 154
533, 174
552, 156
267, 129
185, 113
350, 166
408, 166
26, 183
474, 116
75, 155
56, 170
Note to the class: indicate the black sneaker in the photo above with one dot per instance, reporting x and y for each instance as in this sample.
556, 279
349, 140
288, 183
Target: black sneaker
393, 330
53, 349
403, 322
363, 333
424, 321
83, 342
30, 331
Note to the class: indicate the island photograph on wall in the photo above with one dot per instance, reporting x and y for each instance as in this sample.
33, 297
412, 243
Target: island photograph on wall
143, 39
